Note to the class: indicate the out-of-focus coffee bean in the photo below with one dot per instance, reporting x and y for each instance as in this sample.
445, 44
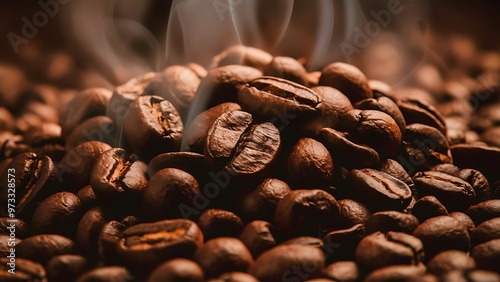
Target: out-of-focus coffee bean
486, 231
464, 219
483, 211
177, 270
87, 198
478, 157
446, 168
342, 271
235, 277
98, 128
341, 244
242, 55
450, 260
287, 68
219, 223
107, 273
471, 276
396, 273
7, 224
386, 221
66, 268
41, 248
348, 79
487, 255
25, 270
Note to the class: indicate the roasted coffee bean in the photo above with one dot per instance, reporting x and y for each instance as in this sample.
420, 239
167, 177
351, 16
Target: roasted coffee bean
471, 276
144, 246
427, 207
333, 105
107, 273
196, 134
478, 181
379, 190
342, 271
419, 111
385, 105
261, 203
484, 211
351, 213
34, 179
7, 120
450, 260
381, 89
45, 133
308, 262
87, 198
465, 220
341, 244
346, 152
88, 103
486, 231
423, 147
447, 168
25, 270
8, 243
310, 165
348, 79
177, 270
57, 214
258, 236
306, 212
41, 248
235, 277
491, 136
274, 99
454, 193
393, 168
287, 68
487, 255
442, 233
222, 255
386, 221
167, 192
376, 129
108, 240
179, 84
66, 268
74, 169
219, 223
479, 157
98, 128
193, 163
7, 224
88, 230
396, 273
242, 55
378, 250
305, 241
152, 126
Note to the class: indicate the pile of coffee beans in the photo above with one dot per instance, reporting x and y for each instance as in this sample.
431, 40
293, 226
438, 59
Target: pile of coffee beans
254, 169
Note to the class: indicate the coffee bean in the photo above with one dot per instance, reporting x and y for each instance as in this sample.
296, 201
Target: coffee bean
41, 248
152, 126
179, 86
396, 273
471, 276
7, 120
465, 220
486, 231
108, 240
487, 255
386, 221
87, 198
287, 68
57, 214
88, 230
348, 79
167, 191
177, 270
351, 213
235, 277
341, 244
144, 246
304, 241
107, 273
447, 168
8, 243
482, 158
393, 168
333, 105
219, 223
306, 212
193, 163
450, 260
25, 270
427, 207
21, 227
66, 267
344, 271
484, 211
385, 105
442, 233
378, 250
98, 128
242, 55
419, 111
379, 190
381, 89
222, 255
261, 203
478, 181
258, 236
296, 262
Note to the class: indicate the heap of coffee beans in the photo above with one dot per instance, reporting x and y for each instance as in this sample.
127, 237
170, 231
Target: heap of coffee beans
252, 170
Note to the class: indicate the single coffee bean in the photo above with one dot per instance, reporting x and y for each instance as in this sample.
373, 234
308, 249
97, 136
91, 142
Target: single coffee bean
306, 212
442, 233
87, 198
235, 277
107, 273
454, 193
179, 84
478, 181
341, 244
41, 248
379, 190
396, 273
57, 214
7, 224
465, 220
223, 254
393, 168
478, 157
177, 270
144, 246
348, 79
261, 203
343, 271
45, 133
386, 221
8, 243
219, 223
192, 163
310, 165
152, 126
287, 68
242, 55
351, 213
486, 231
447, 168
66, 268
258, 236
381, 89
306, 260
484, 211
88, 230
476, 275
25, 270
450, 260
385, 105
333, 105
167, 191
487, 255
419, 111
98, 128
378, 250
427, 207
108, 240
305, 241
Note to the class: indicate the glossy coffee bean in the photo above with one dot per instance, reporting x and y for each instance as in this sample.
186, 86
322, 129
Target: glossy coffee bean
66, 267
379, 190
144, 246
25, 270
296, 262
344, 271
242, 55
258, 236
378, 250
57, 214
306, 212
179, 86
88, 230
448, 261
348, 79
351, 213
8, 242
219, 223
386, 221
478, 157
471, 276
447, 168
442, 233
385, 105
478, 181
107, 273
223, 254
395, 169
310, 165
333, 105
166, 191
87, 198
486, 231
453, 192
261, 203
235, 277
41, 248
193, 163
341, 244
396, 273
465, 220
152, 126
7, 224
427, 207
108, 239
483, 211
419, 111
287, 68
177, 270
98, 128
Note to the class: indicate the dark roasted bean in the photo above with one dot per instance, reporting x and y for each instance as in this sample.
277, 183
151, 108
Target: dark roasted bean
385, 221
348, 79
177, 270
219, 223
41, 248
